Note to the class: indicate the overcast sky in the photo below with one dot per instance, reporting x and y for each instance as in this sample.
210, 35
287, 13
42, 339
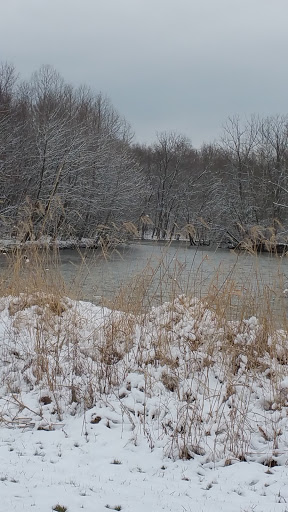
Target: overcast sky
181, 65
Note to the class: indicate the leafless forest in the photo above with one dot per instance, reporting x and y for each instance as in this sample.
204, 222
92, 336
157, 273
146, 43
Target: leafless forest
69, 167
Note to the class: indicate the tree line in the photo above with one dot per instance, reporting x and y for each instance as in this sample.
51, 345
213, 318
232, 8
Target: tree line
66, 165
69, 168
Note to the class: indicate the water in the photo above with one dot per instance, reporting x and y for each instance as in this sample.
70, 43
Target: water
177, 268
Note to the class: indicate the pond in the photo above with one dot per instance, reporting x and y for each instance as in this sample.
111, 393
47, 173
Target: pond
165, 270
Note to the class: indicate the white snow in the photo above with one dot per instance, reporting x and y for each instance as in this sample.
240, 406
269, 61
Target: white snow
101, 410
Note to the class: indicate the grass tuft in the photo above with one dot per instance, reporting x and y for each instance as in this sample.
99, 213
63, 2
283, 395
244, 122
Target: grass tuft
60, 508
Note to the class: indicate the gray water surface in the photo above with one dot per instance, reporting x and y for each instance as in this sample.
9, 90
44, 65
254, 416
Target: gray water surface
177, 268
174, 269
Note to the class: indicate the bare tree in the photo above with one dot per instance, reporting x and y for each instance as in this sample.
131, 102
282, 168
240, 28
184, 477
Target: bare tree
273, 168
239, 142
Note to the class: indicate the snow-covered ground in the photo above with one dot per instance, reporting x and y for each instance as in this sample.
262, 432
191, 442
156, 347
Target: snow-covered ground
174, 411
44, 242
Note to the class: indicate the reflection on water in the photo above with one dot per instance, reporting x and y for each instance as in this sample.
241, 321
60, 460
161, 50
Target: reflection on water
177, 268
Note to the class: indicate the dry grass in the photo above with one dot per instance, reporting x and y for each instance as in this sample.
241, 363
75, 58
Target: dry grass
179, 349
32, 270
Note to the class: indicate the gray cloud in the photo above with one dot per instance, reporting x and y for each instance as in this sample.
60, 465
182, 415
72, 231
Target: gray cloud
180, 65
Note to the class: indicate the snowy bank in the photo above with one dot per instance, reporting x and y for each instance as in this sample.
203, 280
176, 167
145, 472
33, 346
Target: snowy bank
177, 407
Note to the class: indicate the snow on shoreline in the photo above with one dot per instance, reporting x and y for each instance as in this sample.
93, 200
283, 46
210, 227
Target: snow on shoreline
8, 245
103, 410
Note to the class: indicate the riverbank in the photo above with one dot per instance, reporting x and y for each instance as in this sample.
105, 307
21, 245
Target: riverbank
173, 409
10, 245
